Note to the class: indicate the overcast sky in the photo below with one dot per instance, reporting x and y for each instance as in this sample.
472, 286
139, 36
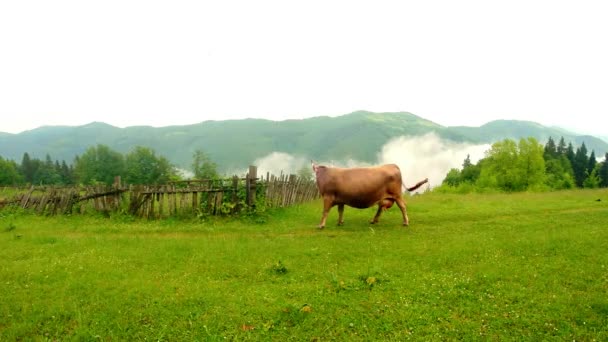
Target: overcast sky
182, 62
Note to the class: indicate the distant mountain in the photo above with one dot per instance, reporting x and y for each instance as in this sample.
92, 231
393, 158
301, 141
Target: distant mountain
514, 129
234, 144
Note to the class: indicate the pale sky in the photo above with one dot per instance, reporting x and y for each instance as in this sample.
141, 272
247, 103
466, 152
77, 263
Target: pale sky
182, 62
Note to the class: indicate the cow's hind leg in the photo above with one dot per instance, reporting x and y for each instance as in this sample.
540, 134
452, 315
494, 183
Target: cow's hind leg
340, 214
378, 212
401, 203
383, 205
327, 204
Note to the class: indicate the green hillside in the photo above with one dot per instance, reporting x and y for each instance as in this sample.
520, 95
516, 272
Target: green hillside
235, 143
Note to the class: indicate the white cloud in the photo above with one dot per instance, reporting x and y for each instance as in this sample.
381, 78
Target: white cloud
186, 174
428, 156
278, 163
418, 157
344, 163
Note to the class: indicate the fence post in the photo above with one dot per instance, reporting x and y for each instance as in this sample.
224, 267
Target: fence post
251, 180
235, 193
117, 182
292, 189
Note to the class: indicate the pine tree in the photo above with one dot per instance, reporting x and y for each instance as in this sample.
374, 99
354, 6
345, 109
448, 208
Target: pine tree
570, 153
66, 174
46, 172
550, 149
592, 162
581, 161
467, 162
470, 172
27, 168
592, 180
603, 173
58, 172
561, 147
558, 165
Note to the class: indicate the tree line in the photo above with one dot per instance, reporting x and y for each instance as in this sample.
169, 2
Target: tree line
507, 166
99, 165
528, 165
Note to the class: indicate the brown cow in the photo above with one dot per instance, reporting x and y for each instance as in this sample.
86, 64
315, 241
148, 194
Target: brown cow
361, 188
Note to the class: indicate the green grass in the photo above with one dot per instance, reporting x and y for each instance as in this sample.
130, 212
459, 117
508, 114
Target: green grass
469, 267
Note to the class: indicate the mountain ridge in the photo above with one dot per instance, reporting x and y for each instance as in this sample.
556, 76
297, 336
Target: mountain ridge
234, 143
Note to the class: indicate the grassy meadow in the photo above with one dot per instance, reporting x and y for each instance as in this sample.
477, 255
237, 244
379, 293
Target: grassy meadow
526, 266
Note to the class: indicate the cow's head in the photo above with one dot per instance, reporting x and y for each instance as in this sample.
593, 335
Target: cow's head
317, 168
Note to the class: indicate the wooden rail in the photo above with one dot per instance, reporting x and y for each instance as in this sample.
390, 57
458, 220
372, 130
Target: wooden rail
183, 198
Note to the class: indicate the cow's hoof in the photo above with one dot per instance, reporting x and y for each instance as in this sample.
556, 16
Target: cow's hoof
341, 223
405, 224
320, 227
373, 222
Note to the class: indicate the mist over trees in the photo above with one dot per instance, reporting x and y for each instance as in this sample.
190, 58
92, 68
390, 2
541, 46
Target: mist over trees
36, 171
202, 166
528, 165
9, 172
143, 166
99, 165
508, 165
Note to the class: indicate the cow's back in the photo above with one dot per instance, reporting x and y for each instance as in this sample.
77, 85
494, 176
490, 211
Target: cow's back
363, 187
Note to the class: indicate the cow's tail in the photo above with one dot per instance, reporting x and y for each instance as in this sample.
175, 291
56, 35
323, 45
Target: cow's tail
419, 184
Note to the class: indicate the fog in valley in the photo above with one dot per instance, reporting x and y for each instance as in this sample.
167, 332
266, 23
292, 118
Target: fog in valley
278, 163
418, 157
428, 156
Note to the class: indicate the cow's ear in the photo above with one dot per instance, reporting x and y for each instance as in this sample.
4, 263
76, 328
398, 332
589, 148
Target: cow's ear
314, 166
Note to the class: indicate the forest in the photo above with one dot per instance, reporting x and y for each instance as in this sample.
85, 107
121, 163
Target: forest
99, 165
508, 166
527, 165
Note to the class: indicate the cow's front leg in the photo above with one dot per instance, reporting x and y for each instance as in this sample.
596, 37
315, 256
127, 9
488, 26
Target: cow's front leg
340, 214
378, 212
401, 204
327, 204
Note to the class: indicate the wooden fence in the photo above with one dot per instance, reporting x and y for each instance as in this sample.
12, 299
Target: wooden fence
285, 190
52, 200
183, 198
